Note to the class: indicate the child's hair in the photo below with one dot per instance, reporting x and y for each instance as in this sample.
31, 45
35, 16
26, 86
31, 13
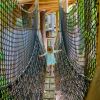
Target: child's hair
50, 49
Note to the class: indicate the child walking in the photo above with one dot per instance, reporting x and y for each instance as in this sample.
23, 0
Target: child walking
50, 59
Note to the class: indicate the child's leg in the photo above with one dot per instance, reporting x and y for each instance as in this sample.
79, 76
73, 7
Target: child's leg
52, 70
49, 69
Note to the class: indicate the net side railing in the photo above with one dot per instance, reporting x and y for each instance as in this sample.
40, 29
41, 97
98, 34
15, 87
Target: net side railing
21, 72
77, 61
72, 85
79, 35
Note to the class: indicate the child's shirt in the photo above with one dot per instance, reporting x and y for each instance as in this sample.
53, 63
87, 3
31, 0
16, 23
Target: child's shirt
50, 58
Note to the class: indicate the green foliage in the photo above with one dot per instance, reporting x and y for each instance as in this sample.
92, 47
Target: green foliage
3, 81
86, 22
1, 56
91, 69
4, 93
7, 5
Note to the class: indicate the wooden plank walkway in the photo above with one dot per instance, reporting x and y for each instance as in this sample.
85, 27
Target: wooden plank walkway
49, 91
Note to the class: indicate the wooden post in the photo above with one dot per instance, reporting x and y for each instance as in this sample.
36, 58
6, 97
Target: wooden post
42, 22
57, 21
94, 92
42, 27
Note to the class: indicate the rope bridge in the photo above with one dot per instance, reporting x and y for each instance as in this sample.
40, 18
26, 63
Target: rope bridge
21, 72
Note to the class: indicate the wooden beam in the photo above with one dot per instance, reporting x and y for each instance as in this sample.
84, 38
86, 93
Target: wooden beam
49, 8
45, 1
51, 11
51, 2
25, 1
46, 8
40, 3
48, 5
94, 91
45, 4
71, 1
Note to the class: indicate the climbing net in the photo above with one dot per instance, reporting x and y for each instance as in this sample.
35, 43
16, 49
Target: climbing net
79, 35
21, 72
77, 63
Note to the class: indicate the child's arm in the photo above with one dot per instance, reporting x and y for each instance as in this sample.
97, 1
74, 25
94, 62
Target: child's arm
42, 55
56, 51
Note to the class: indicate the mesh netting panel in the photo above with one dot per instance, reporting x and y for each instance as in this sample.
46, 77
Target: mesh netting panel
21, 72
77, 61
72, 85
79, 34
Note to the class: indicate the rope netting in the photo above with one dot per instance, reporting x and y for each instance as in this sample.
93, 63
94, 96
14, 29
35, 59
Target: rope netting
77, 61
21, 72
79, 35
72, 85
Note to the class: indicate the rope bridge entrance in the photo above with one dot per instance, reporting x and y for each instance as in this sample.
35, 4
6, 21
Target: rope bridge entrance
21, 72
